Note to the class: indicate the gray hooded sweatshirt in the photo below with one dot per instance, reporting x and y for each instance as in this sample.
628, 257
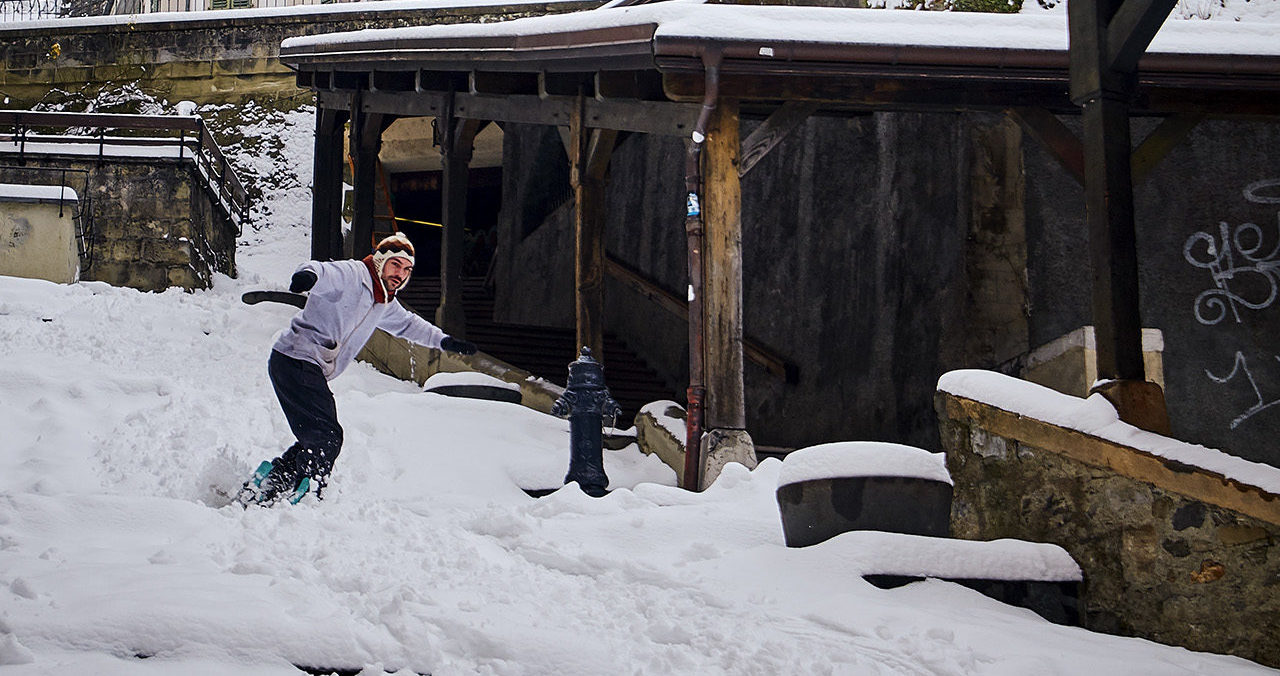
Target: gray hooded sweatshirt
346, 304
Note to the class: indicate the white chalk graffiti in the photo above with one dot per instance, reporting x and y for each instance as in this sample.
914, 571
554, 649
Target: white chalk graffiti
1235, 260
1257, 192
1242, 365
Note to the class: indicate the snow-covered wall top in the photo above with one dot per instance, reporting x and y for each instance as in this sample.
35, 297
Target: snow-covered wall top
846, 459
252, 14
1096, 416
35, 193
838, 26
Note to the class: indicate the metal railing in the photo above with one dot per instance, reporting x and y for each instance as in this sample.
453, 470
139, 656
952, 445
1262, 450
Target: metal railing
82, 214
189, 136
31, 10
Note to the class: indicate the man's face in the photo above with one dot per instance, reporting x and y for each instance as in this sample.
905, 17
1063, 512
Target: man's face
394, 273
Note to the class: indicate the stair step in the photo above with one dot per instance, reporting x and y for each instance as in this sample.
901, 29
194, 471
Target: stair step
543, 351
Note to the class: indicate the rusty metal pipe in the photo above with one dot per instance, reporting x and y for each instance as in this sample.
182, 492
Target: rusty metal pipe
695, 232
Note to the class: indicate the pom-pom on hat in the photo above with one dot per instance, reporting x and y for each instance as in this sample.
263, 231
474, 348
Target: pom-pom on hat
395, 246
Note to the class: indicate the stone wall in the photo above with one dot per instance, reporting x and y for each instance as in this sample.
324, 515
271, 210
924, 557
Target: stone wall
1170, 552
207, 57
153, 224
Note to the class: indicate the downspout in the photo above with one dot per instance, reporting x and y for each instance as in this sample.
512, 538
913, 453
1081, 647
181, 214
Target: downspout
695, 233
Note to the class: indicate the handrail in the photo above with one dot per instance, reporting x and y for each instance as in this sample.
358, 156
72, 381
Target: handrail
751, 349
218, 176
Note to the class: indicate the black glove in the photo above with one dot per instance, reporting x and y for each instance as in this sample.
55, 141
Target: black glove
451, 344
302, 280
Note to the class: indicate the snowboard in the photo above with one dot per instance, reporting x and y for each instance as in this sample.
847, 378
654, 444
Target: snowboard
251, 492
287, 297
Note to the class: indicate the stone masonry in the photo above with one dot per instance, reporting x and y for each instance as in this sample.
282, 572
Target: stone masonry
153, 225
1170, 552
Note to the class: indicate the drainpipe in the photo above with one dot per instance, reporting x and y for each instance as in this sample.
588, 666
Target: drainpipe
693, 226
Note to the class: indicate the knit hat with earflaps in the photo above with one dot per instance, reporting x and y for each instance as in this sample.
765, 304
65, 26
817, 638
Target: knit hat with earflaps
395, 246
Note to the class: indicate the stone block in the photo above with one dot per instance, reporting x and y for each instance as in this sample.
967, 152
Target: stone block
655, 434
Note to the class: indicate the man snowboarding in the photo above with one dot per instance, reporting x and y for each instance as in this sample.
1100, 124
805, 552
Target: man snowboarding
348, 299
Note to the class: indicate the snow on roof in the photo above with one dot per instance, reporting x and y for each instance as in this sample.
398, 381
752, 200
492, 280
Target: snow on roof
774, 24
257, 13
469, 378
861, 459
36, 193
1096, 416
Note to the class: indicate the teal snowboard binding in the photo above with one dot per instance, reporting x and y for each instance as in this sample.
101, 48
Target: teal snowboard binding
254, 493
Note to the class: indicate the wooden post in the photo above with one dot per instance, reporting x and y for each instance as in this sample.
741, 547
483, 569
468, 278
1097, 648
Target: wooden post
589, 154
457, 139
1107, 39
326, 185
726, 416
366, 140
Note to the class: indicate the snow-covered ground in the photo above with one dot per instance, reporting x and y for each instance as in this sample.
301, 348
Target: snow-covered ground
121, 410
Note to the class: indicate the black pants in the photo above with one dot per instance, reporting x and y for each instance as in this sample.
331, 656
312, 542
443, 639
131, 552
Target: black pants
312, 414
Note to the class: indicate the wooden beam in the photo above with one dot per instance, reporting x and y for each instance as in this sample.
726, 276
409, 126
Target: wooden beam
1054, 136
722, 296
1131, 29
886, 92
457, 142
589, 153
752, 349
648, 117
326, 187
366, 140
1171, 132
770, 133
1112, 239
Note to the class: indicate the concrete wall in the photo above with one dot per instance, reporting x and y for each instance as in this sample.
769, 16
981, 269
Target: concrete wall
38, 237
1223, 180
884, 250
154, 226
854, 235
1169, 552
204, 57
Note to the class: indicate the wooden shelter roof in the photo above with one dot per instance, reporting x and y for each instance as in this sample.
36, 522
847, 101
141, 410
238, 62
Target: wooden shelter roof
841, 58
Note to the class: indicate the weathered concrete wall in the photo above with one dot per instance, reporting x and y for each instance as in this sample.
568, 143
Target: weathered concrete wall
882, 251
1220, 188
1169, 552
855, 260
38, 237
207, 57
154, 226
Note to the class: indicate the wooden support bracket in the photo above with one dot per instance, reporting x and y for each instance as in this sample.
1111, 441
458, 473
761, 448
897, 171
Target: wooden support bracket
786, 119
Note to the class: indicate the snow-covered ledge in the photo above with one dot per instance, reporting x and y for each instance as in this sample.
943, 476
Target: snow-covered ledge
1179, 543
406, 361
1101, 439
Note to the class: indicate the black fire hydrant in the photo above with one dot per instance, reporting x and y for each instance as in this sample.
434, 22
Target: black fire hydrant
587, 402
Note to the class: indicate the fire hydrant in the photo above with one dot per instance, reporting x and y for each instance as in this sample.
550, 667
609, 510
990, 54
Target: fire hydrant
587, 402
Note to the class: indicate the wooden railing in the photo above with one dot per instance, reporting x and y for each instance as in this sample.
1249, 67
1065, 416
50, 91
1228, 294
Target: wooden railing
188, 134
751, 349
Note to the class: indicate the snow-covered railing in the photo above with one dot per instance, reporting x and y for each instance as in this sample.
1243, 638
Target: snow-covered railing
188, 138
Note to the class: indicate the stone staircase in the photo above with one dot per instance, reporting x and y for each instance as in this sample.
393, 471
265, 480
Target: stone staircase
543, 351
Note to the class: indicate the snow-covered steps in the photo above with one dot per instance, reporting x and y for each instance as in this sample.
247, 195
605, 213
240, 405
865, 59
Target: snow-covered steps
885, 509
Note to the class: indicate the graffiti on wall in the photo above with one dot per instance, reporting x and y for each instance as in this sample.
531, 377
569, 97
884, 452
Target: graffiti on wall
1241, 367
1245, 274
